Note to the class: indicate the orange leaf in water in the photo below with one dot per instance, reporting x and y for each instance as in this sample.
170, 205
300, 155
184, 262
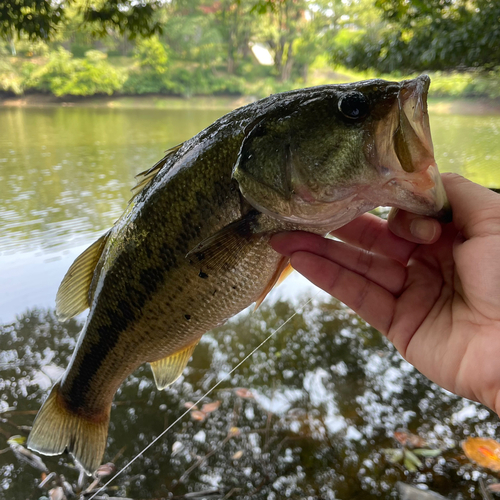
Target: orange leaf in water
485, 452
243, 393
198, 415
409, 439
210, 407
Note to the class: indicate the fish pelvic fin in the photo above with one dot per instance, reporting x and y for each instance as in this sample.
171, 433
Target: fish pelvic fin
56, 428
167, 370
282, 272
73, 296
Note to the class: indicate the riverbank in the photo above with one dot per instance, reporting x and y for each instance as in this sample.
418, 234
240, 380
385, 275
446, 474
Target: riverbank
442, 106
128, 102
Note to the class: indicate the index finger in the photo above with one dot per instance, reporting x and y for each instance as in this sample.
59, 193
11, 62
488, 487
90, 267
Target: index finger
373, 234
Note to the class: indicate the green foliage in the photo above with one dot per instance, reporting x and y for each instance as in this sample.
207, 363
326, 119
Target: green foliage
430, 35
37, 19
484, 84
10, 80
152, 55
205, 47
40, 19
199, 80
63, 75
150, 75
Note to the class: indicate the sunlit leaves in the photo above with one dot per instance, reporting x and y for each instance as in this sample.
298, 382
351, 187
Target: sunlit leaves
431, 35
39, 19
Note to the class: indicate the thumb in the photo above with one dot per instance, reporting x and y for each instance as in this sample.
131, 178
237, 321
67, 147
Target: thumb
476, 209
476, 212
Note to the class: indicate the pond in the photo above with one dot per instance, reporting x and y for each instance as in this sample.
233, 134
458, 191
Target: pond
327, 391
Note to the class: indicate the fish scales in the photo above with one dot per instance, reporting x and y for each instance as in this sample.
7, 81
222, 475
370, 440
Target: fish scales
191, 250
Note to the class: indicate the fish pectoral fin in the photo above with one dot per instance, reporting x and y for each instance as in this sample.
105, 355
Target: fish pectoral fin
282, 272
144, 178
73, 295
167, 370
223, 249
57, 428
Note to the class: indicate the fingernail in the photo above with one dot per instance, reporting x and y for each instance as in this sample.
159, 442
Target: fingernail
423, 229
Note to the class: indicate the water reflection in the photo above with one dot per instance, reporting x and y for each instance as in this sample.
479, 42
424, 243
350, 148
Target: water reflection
328, 394
65, 176
328, 391
67, 172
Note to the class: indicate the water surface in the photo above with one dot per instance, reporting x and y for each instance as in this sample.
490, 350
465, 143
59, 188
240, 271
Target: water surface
328, 390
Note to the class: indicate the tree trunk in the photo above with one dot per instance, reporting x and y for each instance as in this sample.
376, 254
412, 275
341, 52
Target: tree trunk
286, 71
304, 71
12, 44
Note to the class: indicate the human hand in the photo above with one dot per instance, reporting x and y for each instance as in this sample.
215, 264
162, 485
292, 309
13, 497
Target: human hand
433, 290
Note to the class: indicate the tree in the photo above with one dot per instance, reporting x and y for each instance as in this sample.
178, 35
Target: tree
431, 35
39, 19
235, 22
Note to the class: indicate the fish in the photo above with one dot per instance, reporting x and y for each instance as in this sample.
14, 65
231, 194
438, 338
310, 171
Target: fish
192, 247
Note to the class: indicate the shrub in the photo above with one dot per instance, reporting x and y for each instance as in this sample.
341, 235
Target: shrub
63, 75
10, 81
150, 75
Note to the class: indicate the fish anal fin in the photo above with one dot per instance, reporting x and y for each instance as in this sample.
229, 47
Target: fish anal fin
56, 428
144, 178
282, 272
167, 370
73, 295
223, 249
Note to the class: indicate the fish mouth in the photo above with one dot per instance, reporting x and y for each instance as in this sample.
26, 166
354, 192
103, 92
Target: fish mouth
404, 154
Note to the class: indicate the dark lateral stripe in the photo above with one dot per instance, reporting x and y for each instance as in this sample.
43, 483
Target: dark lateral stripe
94, 359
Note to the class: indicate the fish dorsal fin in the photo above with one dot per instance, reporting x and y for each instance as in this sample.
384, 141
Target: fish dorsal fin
282, 272
73, 295
223, 249
167, 370
144, 178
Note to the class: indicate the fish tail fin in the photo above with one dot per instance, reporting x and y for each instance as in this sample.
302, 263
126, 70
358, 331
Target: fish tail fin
57, 428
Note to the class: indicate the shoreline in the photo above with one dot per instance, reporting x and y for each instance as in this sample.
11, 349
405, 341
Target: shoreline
444, 106
151, 101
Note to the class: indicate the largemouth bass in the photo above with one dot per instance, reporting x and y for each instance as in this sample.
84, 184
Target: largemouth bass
191, 249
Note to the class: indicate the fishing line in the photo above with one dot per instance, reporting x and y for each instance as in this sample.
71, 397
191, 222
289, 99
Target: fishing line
157, 438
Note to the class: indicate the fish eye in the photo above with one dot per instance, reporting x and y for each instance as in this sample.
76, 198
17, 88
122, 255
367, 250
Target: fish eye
354, 105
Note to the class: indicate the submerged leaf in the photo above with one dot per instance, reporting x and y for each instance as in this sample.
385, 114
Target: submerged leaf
243, 393
16, 440
57, 493
234, 431
237, 455
407, 438
411, 457
494, 487
105, 470
176, 448
484, 452
394, 455
210, 407
427, 452
198, 415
